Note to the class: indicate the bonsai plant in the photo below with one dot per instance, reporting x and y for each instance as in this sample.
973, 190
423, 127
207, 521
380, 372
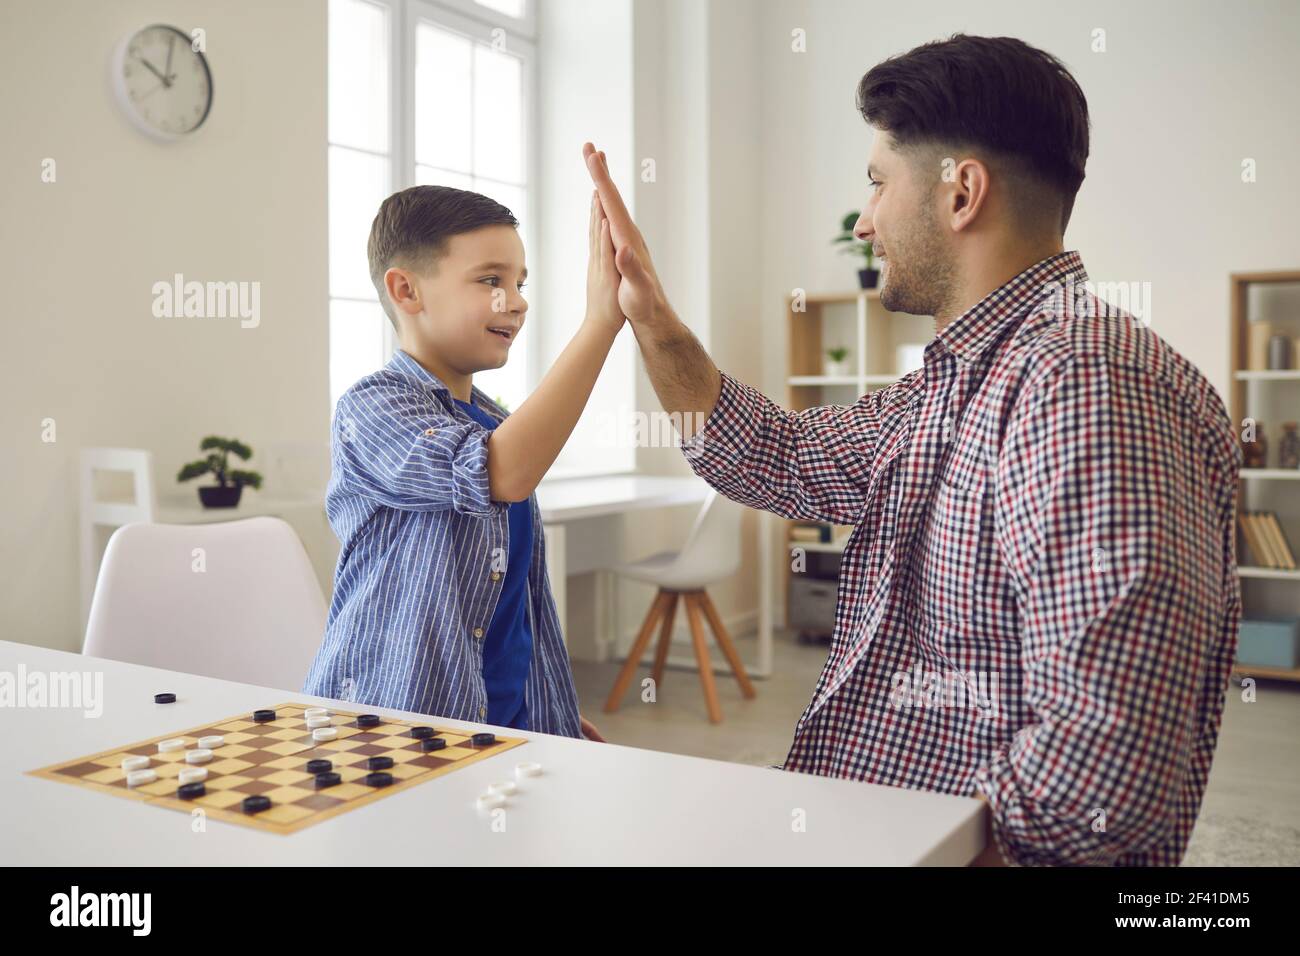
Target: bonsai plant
837, 363
230, 482
851, 244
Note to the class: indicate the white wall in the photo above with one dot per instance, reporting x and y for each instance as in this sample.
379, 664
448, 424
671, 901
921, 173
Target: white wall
1184, 91
758, 151
584, 94
243, 201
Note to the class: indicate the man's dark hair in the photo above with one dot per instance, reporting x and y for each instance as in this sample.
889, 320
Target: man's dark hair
1016, 104
413, 226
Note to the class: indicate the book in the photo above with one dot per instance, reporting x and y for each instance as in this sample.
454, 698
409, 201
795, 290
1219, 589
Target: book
1256, 556
1281, 546
1263, 541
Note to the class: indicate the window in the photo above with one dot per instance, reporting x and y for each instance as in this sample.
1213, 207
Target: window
423, 93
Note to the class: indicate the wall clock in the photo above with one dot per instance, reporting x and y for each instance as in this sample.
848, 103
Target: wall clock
161, 82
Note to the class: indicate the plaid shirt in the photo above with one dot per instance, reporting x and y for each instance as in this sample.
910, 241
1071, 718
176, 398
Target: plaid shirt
1038, 601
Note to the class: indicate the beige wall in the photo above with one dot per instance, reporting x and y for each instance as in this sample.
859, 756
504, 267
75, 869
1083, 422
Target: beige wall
1185, 90
243, 201
759, 152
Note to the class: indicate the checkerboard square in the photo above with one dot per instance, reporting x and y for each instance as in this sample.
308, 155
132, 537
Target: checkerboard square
220, 799
234, 765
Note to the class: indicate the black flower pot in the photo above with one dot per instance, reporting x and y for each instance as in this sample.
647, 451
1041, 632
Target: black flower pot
226, 496
867, 278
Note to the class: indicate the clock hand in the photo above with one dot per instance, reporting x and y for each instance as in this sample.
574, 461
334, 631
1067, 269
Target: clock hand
171, 42
164, 79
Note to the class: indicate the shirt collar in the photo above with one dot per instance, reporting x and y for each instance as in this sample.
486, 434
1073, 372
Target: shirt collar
971, 334
403, 364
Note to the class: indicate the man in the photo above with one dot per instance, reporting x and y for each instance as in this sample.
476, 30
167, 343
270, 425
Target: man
1043, 514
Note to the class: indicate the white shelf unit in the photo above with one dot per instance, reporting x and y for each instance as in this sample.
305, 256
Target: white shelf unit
858, 321
1251, 387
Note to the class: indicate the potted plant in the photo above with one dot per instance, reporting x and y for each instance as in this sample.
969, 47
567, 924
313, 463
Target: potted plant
869, 274
225, 493
837, 363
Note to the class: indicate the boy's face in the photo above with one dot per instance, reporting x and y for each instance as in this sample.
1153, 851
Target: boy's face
470, 310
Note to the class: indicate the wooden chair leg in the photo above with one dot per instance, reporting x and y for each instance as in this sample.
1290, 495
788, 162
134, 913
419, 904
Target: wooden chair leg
665, 640
702, 657
625, 676
728, 648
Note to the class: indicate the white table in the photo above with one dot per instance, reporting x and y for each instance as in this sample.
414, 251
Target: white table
594, 804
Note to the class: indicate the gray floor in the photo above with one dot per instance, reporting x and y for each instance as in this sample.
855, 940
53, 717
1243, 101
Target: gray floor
1251, 812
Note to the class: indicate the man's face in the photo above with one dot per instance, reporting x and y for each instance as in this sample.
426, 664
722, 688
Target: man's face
471, 307
901, 221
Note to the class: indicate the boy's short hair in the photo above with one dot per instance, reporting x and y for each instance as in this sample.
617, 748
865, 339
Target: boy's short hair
1016, 103
413, 226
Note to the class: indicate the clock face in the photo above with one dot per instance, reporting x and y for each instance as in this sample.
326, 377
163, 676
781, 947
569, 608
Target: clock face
162, 83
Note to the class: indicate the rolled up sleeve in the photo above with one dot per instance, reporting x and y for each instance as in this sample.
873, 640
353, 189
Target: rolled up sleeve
1113, 536
397, 448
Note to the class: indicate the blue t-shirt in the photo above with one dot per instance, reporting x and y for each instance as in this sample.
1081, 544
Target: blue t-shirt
508, 644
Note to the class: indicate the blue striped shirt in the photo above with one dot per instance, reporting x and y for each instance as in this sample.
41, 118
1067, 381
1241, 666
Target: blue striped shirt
423, 559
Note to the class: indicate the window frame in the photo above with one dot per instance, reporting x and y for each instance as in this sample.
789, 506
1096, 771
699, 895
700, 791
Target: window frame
462, 16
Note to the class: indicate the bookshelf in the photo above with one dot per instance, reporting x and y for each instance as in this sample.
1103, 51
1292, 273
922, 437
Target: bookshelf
1270, 396
873, 335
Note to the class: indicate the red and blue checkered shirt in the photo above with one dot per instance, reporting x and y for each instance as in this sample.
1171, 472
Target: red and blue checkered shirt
1038, 601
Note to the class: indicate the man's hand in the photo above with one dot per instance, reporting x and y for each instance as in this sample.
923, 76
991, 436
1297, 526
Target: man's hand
639, 294
602, 276
684, 377
589, 730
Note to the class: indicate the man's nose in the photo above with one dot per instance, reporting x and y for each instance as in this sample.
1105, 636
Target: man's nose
862, 228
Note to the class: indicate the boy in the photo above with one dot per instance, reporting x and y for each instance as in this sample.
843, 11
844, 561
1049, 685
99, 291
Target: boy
442, 604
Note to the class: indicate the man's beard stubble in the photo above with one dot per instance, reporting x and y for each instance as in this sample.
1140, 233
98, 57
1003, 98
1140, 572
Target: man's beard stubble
924, 283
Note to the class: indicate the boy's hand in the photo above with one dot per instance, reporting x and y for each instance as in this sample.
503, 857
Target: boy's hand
589, 730
640, 295
602, 275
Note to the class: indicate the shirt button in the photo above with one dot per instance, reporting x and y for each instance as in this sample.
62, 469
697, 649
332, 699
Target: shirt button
478, 632
428, 431
496, 575
482, 711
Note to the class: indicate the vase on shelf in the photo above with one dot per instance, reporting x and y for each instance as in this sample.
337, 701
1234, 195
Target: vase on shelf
1254, 454
1279, 353
1288, 449
834, 367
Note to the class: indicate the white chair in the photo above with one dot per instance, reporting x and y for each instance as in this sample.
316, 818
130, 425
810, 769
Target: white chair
237, 600
711, 553
96, 514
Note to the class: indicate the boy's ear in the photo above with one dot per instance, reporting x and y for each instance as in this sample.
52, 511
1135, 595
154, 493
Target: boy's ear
402, 291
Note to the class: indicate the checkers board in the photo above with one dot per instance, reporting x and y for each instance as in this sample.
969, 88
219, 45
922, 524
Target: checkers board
270, 759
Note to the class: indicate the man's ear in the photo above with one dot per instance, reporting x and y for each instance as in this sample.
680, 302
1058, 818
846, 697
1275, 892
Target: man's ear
969, 192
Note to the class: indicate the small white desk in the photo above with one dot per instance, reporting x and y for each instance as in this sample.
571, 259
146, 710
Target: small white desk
569, 502
566, 504
594, 803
